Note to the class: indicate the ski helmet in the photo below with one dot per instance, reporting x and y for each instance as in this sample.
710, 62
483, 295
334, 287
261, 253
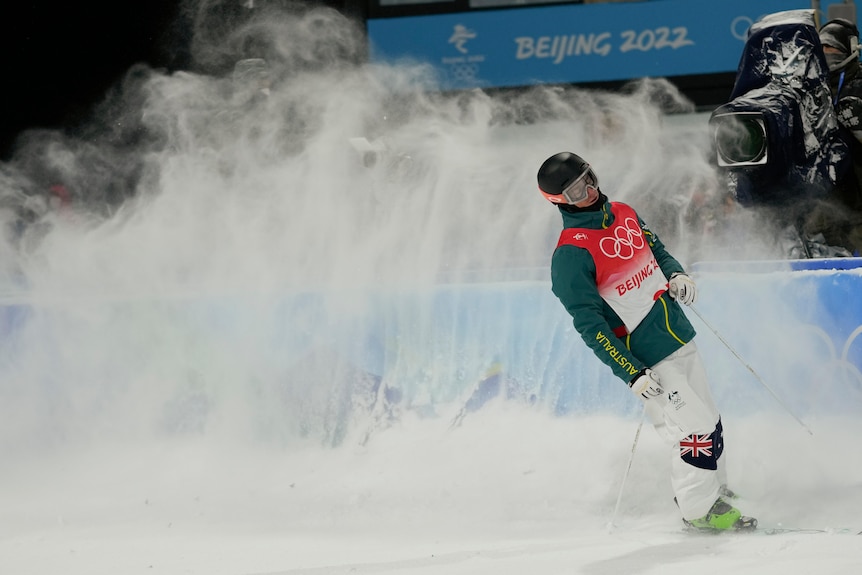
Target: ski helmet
565, 177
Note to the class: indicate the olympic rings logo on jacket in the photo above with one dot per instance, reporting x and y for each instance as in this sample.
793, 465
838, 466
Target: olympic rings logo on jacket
627, 239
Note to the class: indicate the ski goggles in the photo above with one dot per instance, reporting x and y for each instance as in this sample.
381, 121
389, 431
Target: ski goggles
578, 190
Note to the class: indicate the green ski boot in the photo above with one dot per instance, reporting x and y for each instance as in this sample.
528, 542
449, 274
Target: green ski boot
722, 517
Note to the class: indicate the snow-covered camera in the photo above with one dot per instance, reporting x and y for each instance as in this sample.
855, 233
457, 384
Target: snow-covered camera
778, 138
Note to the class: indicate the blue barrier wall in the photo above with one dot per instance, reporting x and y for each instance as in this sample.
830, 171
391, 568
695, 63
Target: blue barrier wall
319, 364
574, 43
800, 321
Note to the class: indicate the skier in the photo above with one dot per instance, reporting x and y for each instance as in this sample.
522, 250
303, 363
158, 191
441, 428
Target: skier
623, 290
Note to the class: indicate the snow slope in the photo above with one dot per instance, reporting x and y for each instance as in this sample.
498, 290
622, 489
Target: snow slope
508, 491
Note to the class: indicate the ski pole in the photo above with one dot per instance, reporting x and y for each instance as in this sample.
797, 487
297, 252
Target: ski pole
612, 523
751, 369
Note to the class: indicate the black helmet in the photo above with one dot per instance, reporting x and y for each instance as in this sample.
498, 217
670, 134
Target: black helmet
564, 178
840, 34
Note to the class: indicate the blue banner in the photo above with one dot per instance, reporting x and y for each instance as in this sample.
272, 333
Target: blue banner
574, 43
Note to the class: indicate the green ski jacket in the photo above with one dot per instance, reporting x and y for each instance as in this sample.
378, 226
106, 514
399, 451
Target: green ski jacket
573, 275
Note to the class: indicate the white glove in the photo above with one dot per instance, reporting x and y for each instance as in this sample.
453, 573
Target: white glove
682, 288
646, 384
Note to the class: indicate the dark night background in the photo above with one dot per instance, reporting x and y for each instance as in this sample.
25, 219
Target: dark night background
60, 58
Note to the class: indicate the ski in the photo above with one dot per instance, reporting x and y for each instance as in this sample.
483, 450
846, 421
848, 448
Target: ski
774, 530
810, 530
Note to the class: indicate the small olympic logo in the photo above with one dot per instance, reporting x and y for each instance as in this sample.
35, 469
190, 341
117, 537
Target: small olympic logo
740, 26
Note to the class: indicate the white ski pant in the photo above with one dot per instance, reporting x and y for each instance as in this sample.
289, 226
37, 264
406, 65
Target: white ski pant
689, 422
